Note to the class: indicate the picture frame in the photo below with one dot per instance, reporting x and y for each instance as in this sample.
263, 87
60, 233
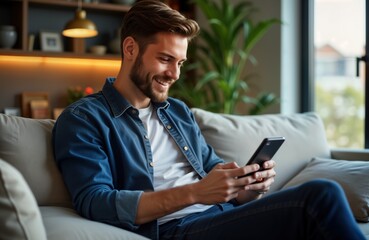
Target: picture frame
40, 104
51, 41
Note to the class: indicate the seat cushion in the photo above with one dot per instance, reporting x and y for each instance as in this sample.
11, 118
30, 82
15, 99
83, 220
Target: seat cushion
20, 217
235, 138
351, 175
65, 223
26, 144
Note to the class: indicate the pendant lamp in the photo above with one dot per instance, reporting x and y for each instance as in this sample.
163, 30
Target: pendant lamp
80, 26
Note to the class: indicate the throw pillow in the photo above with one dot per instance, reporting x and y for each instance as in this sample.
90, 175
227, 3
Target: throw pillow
20, 217
351, 175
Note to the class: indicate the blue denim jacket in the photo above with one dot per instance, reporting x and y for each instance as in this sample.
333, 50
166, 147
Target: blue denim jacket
104, 155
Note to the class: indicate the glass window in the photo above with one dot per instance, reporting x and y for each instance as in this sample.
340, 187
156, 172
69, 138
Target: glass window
339, 84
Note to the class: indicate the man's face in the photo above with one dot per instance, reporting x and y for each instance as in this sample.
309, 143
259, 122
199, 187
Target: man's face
155, 70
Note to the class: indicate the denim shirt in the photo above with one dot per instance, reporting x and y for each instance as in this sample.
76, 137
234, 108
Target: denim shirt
103, 152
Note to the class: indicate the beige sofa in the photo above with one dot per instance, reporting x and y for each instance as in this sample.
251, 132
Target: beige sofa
34, 203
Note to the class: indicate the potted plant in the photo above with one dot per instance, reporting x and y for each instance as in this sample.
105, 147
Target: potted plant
220, 58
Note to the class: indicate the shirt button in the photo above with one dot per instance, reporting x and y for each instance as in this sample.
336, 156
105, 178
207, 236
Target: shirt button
152, 164
134, 111
169, 127
146, 137
185, 148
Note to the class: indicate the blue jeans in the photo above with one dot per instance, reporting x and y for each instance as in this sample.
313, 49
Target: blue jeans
315, 210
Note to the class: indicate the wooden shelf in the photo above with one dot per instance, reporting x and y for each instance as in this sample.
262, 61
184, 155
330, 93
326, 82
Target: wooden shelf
96, 6
20, 53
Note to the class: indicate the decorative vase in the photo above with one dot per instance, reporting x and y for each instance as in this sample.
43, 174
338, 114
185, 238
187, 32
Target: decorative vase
8, 36
114, 44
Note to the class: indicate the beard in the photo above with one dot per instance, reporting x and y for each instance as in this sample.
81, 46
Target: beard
144, 82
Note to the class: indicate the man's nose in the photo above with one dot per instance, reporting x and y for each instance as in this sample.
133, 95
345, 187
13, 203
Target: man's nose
174, 72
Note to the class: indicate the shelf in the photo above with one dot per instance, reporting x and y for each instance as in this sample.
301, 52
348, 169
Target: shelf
20, 53
96, 6
101, 6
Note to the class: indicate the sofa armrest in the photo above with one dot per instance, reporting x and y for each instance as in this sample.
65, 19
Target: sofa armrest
350, 154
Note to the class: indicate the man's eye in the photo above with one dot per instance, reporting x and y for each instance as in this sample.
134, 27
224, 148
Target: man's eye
164, 59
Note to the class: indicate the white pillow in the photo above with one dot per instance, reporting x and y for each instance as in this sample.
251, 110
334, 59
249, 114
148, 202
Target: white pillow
20, 216
351, 175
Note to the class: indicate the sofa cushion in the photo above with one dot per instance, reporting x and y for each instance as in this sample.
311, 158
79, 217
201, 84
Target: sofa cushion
26, 144
351, 175
235, 138
65, 223
20, 217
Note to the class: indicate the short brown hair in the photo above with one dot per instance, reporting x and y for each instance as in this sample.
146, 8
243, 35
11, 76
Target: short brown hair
146, 18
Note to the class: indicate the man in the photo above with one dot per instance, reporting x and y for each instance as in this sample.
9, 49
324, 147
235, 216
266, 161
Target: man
134, 158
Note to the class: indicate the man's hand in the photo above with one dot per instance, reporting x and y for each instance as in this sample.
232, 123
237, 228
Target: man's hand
264, 179
224, 183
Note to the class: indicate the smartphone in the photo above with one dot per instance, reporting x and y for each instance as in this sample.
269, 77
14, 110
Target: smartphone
266, 150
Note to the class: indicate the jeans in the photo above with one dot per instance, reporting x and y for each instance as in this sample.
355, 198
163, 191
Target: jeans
314, 210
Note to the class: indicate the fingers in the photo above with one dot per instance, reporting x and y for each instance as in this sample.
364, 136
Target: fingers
263, 181
270, 173
268, 164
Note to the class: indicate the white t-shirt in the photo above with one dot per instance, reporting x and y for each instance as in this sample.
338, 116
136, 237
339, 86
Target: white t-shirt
171, 168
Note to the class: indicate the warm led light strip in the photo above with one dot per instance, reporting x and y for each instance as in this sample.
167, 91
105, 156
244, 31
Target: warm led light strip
61, 61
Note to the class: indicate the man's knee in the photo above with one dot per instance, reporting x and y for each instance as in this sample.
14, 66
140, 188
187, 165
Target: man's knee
323, 187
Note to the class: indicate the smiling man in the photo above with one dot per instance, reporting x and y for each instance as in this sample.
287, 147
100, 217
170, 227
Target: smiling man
135, 158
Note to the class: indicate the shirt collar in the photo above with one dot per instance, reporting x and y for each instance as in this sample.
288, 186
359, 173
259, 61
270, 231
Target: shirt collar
117, 103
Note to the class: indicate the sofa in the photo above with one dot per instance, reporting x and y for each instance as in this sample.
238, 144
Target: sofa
35, 204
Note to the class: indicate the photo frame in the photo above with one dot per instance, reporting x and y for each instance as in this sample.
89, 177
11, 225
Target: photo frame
35, 104
51, 41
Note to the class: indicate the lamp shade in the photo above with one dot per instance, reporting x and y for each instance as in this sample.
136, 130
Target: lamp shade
80, 26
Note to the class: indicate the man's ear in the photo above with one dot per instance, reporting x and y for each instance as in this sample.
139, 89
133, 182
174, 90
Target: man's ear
130, 48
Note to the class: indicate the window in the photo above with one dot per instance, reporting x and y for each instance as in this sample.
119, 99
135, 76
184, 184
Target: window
334, 76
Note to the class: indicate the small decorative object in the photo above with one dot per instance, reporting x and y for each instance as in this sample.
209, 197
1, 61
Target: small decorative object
31, 42
51, 41
28, 97
78, 92
114, 44
8, 36
40, 109
98, 49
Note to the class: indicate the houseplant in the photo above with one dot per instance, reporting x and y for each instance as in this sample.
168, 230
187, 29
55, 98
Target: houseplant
220, 59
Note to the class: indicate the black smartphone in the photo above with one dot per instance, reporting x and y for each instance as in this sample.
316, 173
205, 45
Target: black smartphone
266, 150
